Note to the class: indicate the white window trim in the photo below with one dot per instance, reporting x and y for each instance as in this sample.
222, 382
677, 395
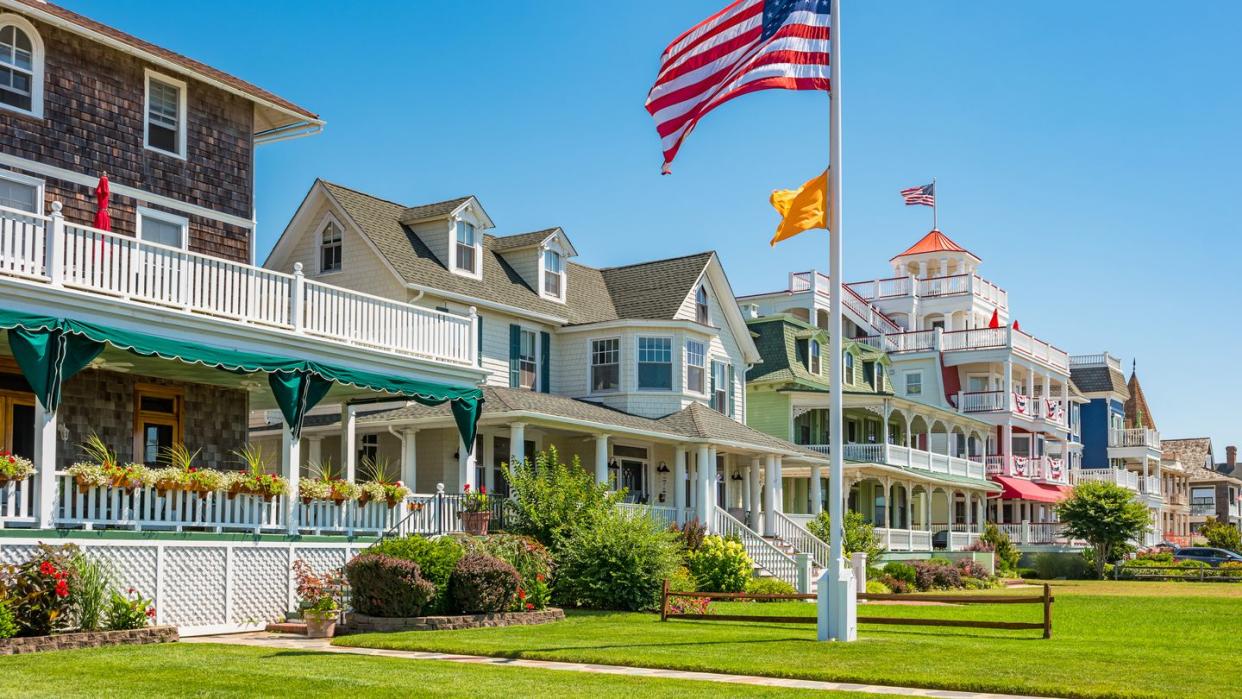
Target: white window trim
707, 304
323, 223
590, 348
712, 361
543, 271
707, 367
35, 182
672, 358
905, 382
166, 217
182, 112
538, 345
817, 355
36, 65
477, 272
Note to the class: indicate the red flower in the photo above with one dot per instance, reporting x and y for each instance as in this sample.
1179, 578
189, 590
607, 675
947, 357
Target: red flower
151, 612
47, 568
483, 489
466, 489
539, 577
521, 594
62, 588
529, 606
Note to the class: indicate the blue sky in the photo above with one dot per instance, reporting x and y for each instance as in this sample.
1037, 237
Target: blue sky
1086, 151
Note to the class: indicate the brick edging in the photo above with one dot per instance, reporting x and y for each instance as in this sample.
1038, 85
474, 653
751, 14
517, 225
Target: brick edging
361, 623
88, 639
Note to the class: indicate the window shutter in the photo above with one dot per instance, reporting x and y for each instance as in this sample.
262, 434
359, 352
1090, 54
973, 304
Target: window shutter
545, 362
479, 320
712, 393
515, 351
731, 399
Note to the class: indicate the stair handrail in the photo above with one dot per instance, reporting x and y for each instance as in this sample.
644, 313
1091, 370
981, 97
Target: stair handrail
763, 552
800, 538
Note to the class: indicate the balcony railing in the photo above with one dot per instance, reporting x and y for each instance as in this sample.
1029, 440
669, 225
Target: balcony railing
1134, 437
1117, 476
1103, 359
821, 284
1048, 409
909, 458
974, 339
1038, 468
951, 285
48, 249
1150, 485
904, 539
1029, 533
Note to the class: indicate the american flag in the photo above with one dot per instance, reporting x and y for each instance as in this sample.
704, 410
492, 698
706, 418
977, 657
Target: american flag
748, 46
924, 195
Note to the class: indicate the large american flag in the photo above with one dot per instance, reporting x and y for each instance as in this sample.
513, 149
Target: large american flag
749, 45
923, 195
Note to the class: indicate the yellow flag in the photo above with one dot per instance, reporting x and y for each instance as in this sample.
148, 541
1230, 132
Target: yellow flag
801, 209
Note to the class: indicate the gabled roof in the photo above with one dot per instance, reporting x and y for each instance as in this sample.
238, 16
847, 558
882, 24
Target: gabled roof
1137, 412
434, 210
47, 12
1193, 452
523, 240
934, 241
698, 420
785, 361
1098, 379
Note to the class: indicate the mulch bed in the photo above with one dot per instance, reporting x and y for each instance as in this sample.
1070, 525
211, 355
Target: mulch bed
360, 623
88, 639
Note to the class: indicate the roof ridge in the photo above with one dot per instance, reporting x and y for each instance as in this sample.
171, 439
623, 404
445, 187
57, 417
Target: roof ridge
662, 259
355, 190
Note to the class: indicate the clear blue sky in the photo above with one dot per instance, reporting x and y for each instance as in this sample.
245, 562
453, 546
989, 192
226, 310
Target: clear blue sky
1086, 151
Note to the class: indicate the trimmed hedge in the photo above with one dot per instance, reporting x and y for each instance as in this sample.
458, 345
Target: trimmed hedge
481, 584
436, 559
385, 586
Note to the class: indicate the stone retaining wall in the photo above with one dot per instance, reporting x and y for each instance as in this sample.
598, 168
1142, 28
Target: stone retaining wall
89, 639
361, 623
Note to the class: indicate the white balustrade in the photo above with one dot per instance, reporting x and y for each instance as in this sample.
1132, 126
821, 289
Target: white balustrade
960, 541
910, 458
800, 538
905, 539
1034, 533
664, 515
22, 239
760, 550
944, 286
982, 402
1134, 437
17, 503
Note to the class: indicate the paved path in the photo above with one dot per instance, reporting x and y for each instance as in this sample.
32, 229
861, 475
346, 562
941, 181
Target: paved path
286, 641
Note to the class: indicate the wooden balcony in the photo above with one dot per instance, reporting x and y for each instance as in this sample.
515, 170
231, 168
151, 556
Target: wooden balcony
1134, 437
1117, 476
1036, 468
1051, 410
932, 287
974, 340
909, 458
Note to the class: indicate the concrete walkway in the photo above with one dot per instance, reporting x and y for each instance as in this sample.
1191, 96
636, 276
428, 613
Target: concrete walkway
290, 642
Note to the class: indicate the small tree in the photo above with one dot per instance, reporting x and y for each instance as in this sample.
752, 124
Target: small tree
859, 535
1007, 555
1104, 515
1221, 535
548, 498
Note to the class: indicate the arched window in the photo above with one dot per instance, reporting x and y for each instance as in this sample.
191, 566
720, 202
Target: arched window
700, 305
21, 66
330, 248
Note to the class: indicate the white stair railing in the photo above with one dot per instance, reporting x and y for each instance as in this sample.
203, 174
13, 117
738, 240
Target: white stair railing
800, 538
760, 550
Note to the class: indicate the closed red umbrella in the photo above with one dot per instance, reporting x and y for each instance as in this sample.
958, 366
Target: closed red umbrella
995, 322
1016, 326
103, 220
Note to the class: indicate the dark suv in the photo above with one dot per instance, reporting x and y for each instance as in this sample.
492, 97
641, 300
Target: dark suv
1213, 557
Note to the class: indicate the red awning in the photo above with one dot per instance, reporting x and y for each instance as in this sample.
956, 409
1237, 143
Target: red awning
1022, 489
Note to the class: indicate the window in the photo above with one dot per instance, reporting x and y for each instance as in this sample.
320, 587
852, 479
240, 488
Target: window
162, 228
553, 273
655, 363
847, 371
330, 246
467, 248
879, 376
21, 67
914, 383
21, 192
605, 365
528, 360
695, 365
720, 387
700, 305
165, 129
812, 360
368, 448
157, 421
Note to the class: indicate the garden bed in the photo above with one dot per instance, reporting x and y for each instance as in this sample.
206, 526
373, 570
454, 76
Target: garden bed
361, 623
89, 639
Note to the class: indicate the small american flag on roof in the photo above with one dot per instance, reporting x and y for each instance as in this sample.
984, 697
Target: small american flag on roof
924, 195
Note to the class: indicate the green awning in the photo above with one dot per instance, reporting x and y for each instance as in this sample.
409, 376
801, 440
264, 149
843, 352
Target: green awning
50, 350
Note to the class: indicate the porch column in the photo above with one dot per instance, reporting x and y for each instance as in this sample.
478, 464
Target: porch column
713, 476
970, 508
517, 445
770, 478
467, 474
349, 442
746, 488
706, 485
489, 460
1006, 448
692, 473
909, 505
780, 485
1030, 385
1008, 383
601, 460
409, 458
679, 484
290, 466
45, 466
817, 496
753, 491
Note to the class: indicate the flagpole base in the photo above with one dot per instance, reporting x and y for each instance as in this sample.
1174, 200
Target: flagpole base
837, 602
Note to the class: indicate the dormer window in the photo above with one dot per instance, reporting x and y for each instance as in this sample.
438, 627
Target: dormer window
847, 373
165, 115
812, 359
700, 305
466, 253
553, 274
330, 246
21, 67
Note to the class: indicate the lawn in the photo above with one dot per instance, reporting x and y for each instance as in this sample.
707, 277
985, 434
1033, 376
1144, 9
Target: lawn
1110, 639
219, 670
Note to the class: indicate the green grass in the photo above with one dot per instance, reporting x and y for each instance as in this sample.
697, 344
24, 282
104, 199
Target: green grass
1110, 639
219, 670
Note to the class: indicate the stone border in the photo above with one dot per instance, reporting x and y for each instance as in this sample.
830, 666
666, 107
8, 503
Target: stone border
361, 623
89, 639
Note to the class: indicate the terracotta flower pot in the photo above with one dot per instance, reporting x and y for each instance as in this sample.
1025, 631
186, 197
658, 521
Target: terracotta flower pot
320, 624
392, 502
416, 507
307, 501
4, 480
363, 499
475, 523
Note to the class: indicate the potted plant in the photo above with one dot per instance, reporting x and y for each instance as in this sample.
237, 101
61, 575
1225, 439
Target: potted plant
14, 468
477, 512
182, 474
311, 489
103, 469
319, 599
255, 480
381, 483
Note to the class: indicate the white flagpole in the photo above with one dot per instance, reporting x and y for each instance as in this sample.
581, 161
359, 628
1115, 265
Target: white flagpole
935, 203
837, 613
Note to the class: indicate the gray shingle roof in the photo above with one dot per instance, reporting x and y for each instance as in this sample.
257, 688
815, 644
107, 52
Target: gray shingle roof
1094, 379
426, 211
649, 290
1193, 452
521, 240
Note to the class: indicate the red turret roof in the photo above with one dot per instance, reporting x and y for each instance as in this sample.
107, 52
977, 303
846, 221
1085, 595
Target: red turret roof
935, 241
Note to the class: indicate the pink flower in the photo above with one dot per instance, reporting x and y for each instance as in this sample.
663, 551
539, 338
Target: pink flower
466, 488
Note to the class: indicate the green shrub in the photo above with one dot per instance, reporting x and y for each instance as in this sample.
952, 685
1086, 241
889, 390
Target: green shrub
940, 561
549, 498
41, 591
530, 558
859, 535
385, 586
875, 587
8, 623
129, 611
615, 561
1156, 556
1050, 566
897, 585
720, 566
1221, 535
436, 559
1006, 553
94, 590
768, 586
901, 571
970, 583
482, 584
682, 581
1028, 573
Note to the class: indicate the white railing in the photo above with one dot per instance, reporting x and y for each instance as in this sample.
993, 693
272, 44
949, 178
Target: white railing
802, 540
915, 341
1089, 360
910, 458
660, 513
1039, 350
17, 503
820, 284
1134, 437
982, 402
1031, 467
1150, 485
760, 550
960, 541
1117, 476
931, 287
974, 339
944, 286
49, 249
905, 539
1028, 533
881, 288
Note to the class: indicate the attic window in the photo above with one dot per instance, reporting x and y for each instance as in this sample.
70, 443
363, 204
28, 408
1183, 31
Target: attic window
165, 115
553, 274
812, 361
847, 374
466, 255
700, 305
330, 248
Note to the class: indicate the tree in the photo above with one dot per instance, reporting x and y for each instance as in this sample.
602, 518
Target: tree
860, 535
1104, 515
548, 498
1007, 555
1221, 535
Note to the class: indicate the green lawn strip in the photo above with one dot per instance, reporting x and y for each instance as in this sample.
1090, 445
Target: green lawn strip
1103, 645
222, 670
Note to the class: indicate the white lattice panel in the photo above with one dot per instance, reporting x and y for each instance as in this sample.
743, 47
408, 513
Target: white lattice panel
321, 559
130, 566
260, 585
194, 586
14, 554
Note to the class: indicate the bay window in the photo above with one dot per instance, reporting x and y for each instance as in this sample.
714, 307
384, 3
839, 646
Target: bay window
655, 363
